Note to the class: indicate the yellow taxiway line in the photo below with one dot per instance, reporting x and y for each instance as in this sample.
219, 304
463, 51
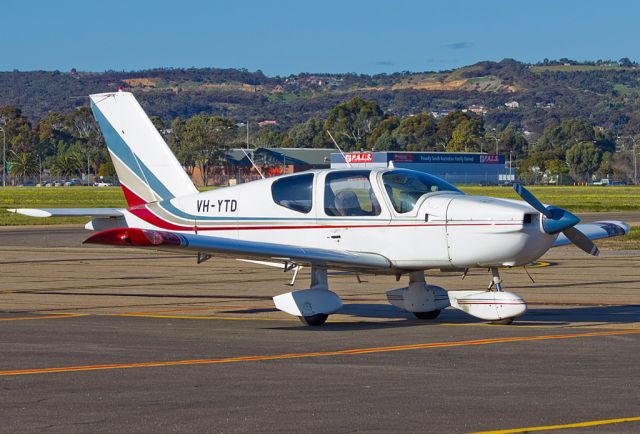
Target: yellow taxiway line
565, 426
345, 352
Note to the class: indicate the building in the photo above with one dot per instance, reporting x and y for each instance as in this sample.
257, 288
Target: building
512, 104
455, 167
478, 109
275, 161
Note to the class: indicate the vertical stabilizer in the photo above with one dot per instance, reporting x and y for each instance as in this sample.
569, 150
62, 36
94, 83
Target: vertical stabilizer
146, 167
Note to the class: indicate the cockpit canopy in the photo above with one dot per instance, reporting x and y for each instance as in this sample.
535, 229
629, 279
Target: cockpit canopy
349, 193
405, 187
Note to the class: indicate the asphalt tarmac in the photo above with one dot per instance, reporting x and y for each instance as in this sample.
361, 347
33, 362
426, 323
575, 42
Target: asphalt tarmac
97, 339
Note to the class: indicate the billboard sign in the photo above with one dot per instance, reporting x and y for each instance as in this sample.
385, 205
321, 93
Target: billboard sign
359, 157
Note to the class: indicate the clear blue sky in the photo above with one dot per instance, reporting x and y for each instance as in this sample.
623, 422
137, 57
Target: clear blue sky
289, 37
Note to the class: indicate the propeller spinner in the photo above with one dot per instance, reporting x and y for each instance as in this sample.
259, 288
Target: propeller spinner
556, 220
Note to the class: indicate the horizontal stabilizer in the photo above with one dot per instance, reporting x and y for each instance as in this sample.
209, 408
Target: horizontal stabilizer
162, 240
596, 231
68, 212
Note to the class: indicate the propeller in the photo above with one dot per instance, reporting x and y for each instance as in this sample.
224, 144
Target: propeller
556, 220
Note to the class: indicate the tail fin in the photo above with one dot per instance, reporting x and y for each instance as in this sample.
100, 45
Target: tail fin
147, 169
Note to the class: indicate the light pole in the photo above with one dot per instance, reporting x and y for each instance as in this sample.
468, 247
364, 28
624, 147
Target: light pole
4, 157
493, 137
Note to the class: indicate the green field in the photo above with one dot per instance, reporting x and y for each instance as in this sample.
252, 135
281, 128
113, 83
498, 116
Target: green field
55, 197
579, 199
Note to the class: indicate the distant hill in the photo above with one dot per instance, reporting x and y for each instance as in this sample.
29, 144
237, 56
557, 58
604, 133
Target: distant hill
605, 93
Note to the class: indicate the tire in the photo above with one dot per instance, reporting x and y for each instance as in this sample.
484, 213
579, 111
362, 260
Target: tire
314, 320
505, 321
433, 314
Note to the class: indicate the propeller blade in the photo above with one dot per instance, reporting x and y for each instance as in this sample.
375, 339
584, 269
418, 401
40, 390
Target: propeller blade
531, 200
581, 241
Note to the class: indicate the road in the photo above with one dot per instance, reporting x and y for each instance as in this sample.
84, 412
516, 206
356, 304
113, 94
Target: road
100, 339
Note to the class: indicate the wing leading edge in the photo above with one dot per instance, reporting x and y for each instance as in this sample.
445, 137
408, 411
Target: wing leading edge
162, 240
596, 231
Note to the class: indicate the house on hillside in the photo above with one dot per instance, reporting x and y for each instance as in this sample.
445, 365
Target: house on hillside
478, 109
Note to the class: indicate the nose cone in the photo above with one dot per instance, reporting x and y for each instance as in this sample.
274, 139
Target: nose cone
483, 231
560, 220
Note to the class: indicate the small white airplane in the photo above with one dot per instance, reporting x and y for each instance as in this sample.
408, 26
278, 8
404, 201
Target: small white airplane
382, 221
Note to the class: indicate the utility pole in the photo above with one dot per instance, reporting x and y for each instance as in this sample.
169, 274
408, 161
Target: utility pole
494, 137
4, 157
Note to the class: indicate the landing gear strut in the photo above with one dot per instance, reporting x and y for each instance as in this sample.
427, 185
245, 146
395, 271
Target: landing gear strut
424, 301
496, 281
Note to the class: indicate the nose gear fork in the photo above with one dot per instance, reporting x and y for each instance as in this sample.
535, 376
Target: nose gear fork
496, 280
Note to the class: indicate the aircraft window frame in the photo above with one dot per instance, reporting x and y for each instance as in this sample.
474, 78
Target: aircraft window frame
348, 199
405, 201
286, 192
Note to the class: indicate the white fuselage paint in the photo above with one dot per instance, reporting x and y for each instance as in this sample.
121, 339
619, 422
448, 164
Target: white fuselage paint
444, 230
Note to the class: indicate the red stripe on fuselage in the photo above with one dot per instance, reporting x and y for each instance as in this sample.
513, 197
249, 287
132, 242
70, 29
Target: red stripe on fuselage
148, 216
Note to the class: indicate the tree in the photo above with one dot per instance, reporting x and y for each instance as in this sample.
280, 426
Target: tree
23, 165
583, 159
310, 134
466, 136
447, 125
204, 140
417, 133
353, 121
87, 137
512, 140
383, 137
67, 164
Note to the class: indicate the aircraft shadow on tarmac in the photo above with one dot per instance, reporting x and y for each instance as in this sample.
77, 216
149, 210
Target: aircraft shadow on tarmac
540, 316
618, 314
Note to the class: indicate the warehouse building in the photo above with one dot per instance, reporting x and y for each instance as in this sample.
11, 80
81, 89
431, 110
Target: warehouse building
455, 167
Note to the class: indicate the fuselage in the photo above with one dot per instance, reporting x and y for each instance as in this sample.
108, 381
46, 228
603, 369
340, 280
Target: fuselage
415, 220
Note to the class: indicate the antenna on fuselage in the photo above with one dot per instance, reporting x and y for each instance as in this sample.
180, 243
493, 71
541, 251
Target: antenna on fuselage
342, 153
246, 154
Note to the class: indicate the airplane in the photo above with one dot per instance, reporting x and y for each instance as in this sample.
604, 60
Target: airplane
387, 221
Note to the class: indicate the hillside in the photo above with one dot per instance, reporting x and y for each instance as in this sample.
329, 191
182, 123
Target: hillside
606, 95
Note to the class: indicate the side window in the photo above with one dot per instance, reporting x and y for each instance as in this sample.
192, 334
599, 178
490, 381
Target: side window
350, 194
294, 192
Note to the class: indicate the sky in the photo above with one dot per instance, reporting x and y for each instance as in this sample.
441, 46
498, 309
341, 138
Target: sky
289, 37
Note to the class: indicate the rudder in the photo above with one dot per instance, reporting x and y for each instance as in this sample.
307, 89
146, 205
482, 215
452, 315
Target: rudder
147, 169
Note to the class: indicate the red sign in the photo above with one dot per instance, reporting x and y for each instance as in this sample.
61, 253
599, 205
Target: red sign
403, 158
489, 159
359, 157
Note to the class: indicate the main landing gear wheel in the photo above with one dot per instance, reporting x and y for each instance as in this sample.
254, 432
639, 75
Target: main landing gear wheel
427, 315
314, 320
505, 321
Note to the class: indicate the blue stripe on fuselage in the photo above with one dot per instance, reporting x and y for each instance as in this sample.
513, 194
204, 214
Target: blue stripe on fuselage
119, 147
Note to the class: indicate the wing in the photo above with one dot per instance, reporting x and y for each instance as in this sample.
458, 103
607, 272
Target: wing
172, 241
68, 212
596, 231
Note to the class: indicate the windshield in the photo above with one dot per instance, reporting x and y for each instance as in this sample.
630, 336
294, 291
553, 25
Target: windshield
405, 187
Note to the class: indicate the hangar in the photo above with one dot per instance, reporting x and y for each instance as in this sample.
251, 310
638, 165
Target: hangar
455, 167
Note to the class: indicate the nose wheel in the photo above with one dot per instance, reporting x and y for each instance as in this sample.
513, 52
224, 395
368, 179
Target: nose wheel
314, 320
427, 315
